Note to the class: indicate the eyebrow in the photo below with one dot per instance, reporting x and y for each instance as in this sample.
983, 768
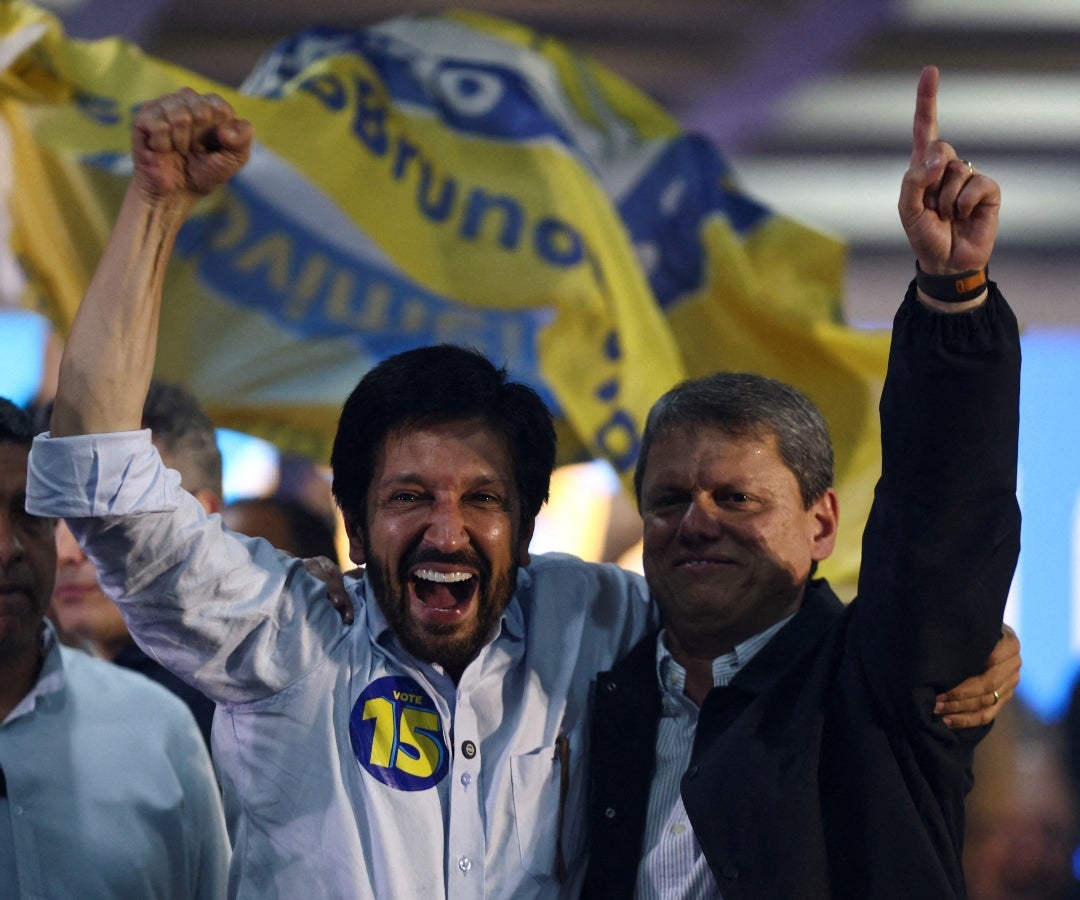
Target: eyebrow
417, 478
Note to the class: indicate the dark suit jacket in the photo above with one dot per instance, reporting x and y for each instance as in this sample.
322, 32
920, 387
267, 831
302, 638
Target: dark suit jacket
821, 770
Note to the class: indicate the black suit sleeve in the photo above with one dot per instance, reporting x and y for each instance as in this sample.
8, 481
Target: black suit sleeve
943, 536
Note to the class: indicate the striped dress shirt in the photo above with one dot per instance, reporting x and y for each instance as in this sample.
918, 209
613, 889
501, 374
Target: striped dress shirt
673, 866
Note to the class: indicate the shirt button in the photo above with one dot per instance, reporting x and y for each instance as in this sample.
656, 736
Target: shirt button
464, 863
609, 813
468, 749
692, 772
466, 779
678, 829
18, 810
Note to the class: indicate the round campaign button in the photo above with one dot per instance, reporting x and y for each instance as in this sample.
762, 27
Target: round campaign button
396, 733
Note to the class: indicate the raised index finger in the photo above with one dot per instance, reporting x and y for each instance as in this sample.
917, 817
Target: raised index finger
925, 129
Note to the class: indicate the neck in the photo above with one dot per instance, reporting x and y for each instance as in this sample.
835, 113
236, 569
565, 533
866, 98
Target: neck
699, 675
694, 648
110, 649
699, 680
17, 676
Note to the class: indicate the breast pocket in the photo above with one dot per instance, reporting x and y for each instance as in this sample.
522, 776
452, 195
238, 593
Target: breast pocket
549, 806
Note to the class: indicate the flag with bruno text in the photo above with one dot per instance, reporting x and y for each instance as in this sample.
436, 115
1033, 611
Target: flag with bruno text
440, 178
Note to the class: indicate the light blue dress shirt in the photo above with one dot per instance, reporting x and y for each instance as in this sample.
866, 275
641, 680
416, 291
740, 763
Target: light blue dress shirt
350, 768
110, 792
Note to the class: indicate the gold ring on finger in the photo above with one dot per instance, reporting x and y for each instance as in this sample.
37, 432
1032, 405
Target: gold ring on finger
971, 168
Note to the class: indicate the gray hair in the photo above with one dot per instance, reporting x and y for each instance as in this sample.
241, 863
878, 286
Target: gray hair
743, 405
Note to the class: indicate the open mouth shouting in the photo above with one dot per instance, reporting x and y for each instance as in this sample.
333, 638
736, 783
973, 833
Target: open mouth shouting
442, 607
443, 593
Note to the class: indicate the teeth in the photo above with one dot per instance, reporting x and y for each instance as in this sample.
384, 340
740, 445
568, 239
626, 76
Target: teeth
442, 577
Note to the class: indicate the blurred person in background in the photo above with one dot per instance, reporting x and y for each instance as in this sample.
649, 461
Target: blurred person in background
283, 521
1022, 816
83, 615
106, 789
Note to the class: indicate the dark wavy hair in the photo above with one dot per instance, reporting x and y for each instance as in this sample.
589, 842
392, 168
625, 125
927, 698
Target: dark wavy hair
433, 385
16, 425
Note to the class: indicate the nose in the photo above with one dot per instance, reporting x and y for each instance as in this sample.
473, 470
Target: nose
68, 551
702, 520
446, 529
11, 548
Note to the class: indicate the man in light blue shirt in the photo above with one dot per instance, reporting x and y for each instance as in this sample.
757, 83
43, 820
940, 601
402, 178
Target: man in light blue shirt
106, 788
437, 747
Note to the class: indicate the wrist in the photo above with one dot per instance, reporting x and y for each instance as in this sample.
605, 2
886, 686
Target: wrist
960, 287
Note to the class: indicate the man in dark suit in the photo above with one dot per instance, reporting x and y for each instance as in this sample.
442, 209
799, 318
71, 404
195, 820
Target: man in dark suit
771, 742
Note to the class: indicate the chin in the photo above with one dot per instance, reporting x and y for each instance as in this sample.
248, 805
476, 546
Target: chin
449, 651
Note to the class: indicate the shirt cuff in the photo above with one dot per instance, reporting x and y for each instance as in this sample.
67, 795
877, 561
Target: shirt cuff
90, 475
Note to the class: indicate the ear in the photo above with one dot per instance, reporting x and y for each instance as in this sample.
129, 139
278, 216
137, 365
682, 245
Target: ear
355, 535
524, 539
210, 500
825, 517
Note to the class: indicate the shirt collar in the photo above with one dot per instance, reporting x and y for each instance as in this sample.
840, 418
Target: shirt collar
50, 679
672, 676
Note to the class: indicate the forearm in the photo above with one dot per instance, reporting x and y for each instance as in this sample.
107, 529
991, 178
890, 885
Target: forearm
109, 357
184, 145
230, 615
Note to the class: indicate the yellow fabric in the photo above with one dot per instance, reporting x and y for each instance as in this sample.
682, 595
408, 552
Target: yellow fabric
441, 178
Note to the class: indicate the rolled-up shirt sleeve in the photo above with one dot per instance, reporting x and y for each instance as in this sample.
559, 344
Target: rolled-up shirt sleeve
231, 615
98, 475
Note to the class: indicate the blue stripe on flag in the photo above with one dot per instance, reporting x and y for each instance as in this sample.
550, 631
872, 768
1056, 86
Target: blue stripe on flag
483, 99
665, 208
253, 254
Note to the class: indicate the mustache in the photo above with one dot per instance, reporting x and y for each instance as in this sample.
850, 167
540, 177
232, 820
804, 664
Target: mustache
16, 577
466, 558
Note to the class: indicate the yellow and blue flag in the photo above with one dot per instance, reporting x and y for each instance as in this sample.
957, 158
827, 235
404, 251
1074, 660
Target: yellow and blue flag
452, 177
